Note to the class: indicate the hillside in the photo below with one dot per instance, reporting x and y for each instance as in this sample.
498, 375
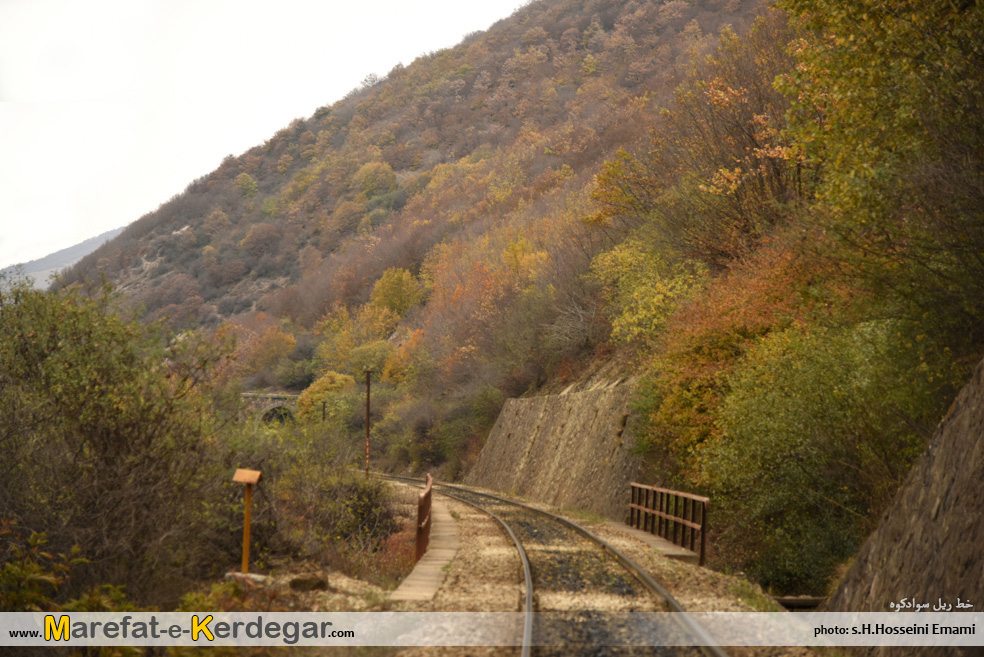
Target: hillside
498, 135
772, 216
430, 225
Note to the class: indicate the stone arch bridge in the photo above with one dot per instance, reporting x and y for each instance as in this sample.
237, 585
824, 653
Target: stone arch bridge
271, 407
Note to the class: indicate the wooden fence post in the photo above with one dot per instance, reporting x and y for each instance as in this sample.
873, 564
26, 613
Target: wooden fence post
423, 519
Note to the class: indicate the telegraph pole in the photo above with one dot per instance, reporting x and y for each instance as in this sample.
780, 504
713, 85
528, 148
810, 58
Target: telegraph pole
368, 379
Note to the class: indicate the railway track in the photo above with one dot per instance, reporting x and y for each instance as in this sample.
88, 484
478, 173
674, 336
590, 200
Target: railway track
580, 586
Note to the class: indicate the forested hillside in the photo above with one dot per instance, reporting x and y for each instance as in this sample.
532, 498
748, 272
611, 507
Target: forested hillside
802, 267
429, 226
776, 213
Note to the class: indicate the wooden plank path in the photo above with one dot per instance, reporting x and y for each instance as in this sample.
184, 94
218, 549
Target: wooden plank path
429, 573
662, 546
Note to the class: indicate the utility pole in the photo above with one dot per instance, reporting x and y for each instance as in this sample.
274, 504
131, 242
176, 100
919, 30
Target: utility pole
368, 379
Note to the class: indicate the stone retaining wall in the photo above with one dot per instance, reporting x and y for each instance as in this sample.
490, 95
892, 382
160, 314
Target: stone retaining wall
929, 544
567, 450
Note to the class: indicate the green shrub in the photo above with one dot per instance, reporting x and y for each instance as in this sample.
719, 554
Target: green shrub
331, 513
818, 428
323, 391
103, 425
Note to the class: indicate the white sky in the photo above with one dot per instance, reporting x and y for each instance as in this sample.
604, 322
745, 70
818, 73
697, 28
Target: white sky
108, 108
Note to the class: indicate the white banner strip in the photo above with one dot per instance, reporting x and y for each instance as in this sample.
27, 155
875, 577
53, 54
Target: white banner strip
488, 629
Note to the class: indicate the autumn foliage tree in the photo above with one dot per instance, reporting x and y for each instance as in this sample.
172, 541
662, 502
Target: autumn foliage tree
322, 391
719, 173
375, 179
396, 290
887, 99
348, 336
261, 238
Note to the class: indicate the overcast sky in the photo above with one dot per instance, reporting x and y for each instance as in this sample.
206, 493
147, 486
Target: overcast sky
110, 107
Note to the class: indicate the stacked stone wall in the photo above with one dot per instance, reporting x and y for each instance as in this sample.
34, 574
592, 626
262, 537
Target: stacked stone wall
569, 450
929, 544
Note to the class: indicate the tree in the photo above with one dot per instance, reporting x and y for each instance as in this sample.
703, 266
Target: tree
284, 163
261, 238
324, 389
102, 424
642, 290
397, 290
216, 223
263, 352
346, 333
247, 186
375, 179
886, 98
719, 174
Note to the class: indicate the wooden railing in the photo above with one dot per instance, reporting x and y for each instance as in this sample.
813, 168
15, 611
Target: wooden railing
423, 520
676, 516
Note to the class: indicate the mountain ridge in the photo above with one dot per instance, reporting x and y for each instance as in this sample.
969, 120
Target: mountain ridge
40, 269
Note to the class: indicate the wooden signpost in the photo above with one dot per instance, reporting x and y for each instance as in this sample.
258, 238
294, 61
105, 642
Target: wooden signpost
250, 478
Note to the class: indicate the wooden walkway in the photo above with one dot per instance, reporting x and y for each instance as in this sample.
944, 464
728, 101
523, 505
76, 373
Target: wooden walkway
430, 571
659, 544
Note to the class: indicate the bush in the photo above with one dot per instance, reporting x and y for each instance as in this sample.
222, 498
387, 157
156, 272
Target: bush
818, 429
103, 424
311, 503
331, 513
325, 389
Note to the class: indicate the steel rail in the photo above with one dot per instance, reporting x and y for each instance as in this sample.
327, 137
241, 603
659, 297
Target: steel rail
708, 646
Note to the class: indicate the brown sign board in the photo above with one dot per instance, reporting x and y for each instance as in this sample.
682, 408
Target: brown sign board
247, 476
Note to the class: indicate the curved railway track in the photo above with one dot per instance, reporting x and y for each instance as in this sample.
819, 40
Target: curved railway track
580, 579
